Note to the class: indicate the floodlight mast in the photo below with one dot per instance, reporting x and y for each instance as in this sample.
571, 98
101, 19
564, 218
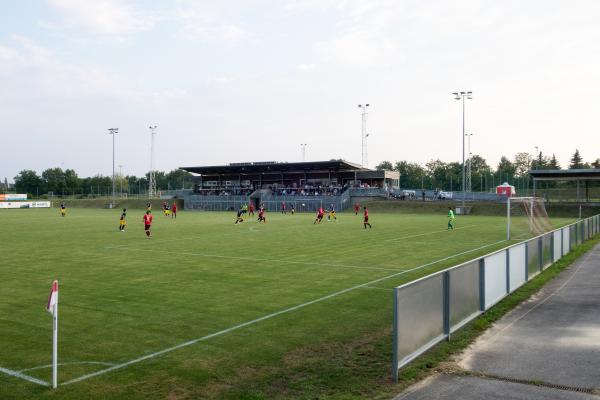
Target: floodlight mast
303, 146
468, 185
364, 132
113, 132
463, 96
152, 177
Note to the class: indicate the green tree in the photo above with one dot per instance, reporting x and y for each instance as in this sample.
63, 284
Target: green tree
179, 178
576, 161
437, 171
522, 164
553, 164
54, 179
411, 174
506, 170
596, 164
28, 181
72, 181
384, 166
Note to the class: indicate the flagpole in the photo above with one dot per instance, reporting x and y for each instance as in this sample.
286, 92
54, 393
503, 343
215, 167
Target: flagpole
55, 345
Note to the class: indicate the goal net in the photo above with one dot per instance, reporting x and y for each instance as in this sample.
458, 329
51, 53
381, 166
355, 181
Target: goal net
526, 216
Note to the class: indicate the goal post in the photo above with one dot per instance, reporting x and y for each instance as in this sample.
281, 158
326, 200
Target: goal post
526, 215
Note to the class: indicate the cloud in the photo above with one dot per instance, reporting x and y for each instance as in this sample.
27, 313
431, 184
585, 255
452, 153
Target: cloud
210, 23
33, 71
103, 17
307, 67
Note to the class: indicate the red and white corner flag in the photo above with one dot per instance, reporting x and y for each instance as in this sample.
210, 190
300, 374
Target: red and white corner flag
53, 298
52, 308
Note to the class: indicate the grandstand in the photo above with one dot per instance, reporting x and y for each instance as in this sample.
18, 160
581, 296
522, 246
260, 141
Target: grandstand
305, 185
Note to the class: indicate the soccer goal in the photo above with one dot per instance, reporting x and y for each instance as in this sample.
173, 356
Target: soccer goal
526, 215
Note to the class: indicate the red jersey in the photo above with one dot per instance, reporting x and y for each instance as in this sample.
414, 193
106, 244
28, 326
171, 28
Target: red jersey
356, 207
261, 212
321, 212
174, 207
366, 214
148, 219
251, 207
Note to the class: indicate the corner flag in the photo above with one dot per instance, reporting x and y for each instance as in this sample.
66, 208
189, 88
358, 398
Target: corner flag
52, 308
53, 298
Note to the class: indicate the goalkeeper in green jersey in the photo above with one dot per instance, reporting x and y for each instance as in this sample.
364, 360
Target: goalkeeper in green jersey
451, 218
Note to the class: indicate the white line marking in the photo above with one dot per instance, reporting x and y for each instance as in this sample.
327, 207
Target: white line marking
428, 233
17, 374
376, 287
268, 316
256, 259
67, 363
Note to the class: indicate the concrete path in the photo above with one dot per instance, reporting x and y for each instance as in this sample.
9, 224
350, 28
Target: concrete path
553, 339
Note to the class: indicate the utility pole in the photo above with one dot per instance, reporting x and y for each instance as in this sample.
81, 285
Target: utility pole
113, 132
463, 96
364, 133
152, 178
303, 146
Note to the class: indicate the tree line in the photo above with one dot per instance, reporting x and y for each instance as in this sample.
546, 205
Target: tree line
437, 174
61, 182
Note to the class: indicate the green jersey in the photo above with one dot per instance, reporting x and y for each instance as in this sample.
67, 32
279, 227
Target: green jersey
245, 207
450, 214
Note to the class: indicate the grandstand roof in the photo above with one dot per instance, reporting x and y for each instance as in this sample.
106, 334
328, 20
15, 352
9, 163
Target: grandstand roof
565, 174
275, 167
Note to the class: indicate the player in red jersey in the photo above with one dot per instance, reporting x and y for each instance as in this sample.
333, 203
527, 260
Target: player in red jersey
147, 223
261, 215
250, 209
283, 207
320, 214
356, 208
366, 218
174, 211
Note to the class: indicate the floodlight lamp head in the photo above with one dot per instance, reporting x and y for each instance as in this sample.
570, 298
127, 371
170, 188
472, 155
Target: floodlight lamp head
367, 105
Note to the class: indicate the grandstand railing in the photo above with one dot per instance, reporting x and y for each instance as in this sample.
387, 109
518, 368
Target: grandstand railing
428, 310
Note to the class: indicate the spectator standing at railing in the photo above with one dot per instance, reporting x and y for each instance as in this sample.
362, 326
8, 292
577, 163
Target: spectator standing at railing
423, 194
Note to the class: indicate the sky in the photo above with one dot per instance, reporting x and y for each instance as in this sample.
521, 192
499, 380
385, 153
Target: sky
250, 80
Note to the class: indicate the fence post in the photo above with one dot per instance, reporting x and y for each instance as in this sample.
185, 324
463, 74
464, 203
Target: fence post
552, 247
507, 271
395, 338
540, 253
526, 261
482, 284
562, 242
446, 289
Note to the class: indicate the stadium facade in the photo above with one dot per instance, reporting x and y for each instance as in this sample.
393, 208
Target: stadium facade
304, 185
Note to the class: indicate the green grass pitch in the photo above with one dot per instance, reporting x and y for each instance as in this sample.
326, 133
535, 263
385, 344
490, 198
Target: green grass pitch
308, 294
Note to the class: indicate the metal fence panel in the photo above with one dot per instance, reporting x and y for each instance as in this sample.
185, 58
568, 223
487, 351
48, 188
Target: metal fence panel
517, 268
495, 278
572, 236
533, 260
464, 293
546, 250
420, 308
579, 232
557, 245
566, 232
